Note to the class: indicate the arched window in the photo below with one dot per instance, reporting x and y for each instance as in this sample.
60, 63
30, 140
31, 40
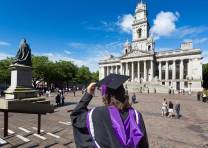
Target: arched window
126, 51
149, 47
139, 31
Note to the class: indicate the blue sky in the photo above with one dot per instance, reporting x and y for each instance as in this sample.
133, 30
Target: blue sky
86, 30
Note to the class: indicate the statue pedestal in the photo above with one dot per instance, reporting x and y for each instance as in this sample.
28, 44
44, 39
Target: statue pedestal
21, 83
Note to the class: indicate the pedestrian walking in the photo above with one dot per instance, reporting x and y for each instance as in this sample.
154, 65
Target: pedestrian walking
133, 98
164, 108
170, 109
62, 98
74, 90
58, 99
177, 109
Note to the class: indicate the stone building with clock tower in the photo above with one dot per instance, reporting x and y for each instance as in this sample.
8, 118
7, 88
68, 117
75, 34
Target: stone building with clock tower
177, 69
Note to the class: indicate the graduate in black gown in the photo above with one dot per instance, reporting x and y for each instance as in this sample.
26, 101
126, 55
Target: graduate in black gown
115, 125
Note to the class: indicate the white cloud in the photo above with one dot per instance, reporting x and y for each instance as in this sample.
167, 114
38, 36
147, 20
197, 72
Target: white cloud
197, 41
5, 55
164, 24
200, 40
190, 31
125, 23
61, 56
67, 52
95, 52
104, 26
90, 53
205, 57
3, 43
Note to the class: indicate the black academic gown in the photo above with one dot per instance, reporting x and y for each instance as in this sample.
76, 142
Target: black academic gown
103, 130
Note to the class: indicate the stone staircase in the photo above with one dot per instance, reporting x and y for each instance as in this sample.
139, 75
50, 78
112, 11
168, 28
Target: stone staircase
144, 87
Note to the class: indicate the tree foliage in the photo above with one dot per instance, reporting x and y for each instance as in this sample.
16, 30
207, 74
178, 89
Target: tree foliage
58, 73
4, 70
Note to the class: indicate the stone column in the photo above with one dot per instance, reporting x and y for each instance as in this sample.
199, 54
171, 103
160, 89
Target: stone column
189, 66
151, 70
174, 70
181, 70
107, 70
110, 69
138, 70
160, 70
124, 68
127, 69
132, 71
121, 68
166, 70
145, 71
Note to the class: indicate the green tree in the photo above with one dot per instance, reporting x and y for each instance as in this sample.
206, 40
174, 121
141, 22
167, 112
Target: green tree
40, 69
205, 75
95, 76
59, 73
4, 71
83, 75
65, 71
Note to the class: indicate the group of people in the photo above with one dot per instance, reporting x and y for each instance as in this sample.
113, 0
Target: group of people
60, 98
168, 110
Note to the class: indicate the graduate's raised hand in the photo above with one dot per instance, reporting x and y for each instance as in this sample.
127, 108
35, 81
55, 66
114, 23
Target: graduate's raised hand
91, 88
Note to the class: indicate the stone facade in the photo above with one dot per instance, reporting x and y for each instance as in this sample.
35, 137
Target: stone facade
176, 69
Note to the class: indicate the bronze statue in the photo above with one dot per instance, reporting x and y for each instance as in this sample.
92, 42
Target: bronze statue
23, 56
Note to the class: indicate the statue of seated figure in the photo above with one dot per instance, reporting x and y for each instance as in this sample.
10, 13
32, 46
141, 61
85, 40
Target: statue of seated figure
23, 56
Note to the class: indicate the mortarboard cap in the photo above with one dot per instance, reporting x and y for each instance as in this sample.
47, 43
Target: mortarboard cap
112, 81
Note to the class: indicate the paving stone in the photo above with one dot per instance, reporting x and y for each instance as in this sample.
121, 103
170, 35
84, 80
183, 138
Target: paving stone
162, 132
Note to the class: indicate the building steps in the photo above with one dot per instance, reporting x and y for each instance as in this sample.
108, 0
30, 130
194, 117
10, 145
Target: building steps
144, 87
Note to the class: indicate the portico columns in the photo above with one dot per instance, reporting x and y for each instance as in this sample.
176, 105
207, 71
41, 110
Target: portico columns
110, 69
181, 70
174, 70
121, 69
138, 70
145, 71
132, 71
151, 70
107, 68
127, 69
160, 73
166, 70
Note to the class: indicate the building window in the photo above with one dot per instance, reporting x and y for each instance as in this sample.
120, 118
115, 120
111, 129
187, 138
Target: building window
178, 86
170, 74
149, 48
185, 69
185, 84
163, 83
177, 70
169, 83
163, 74
139, 31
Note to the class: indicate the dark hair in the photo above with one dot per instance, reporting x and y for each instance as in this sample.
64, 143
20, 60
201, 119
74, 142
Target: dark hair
118, 98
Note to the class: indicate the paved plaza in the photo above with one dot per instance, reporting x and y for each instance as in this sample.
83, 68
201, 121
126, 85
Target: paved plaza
190, 131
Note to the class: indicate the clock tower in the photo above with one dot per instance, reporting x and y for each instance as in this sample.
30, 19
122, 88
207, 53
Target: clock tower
140, 27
